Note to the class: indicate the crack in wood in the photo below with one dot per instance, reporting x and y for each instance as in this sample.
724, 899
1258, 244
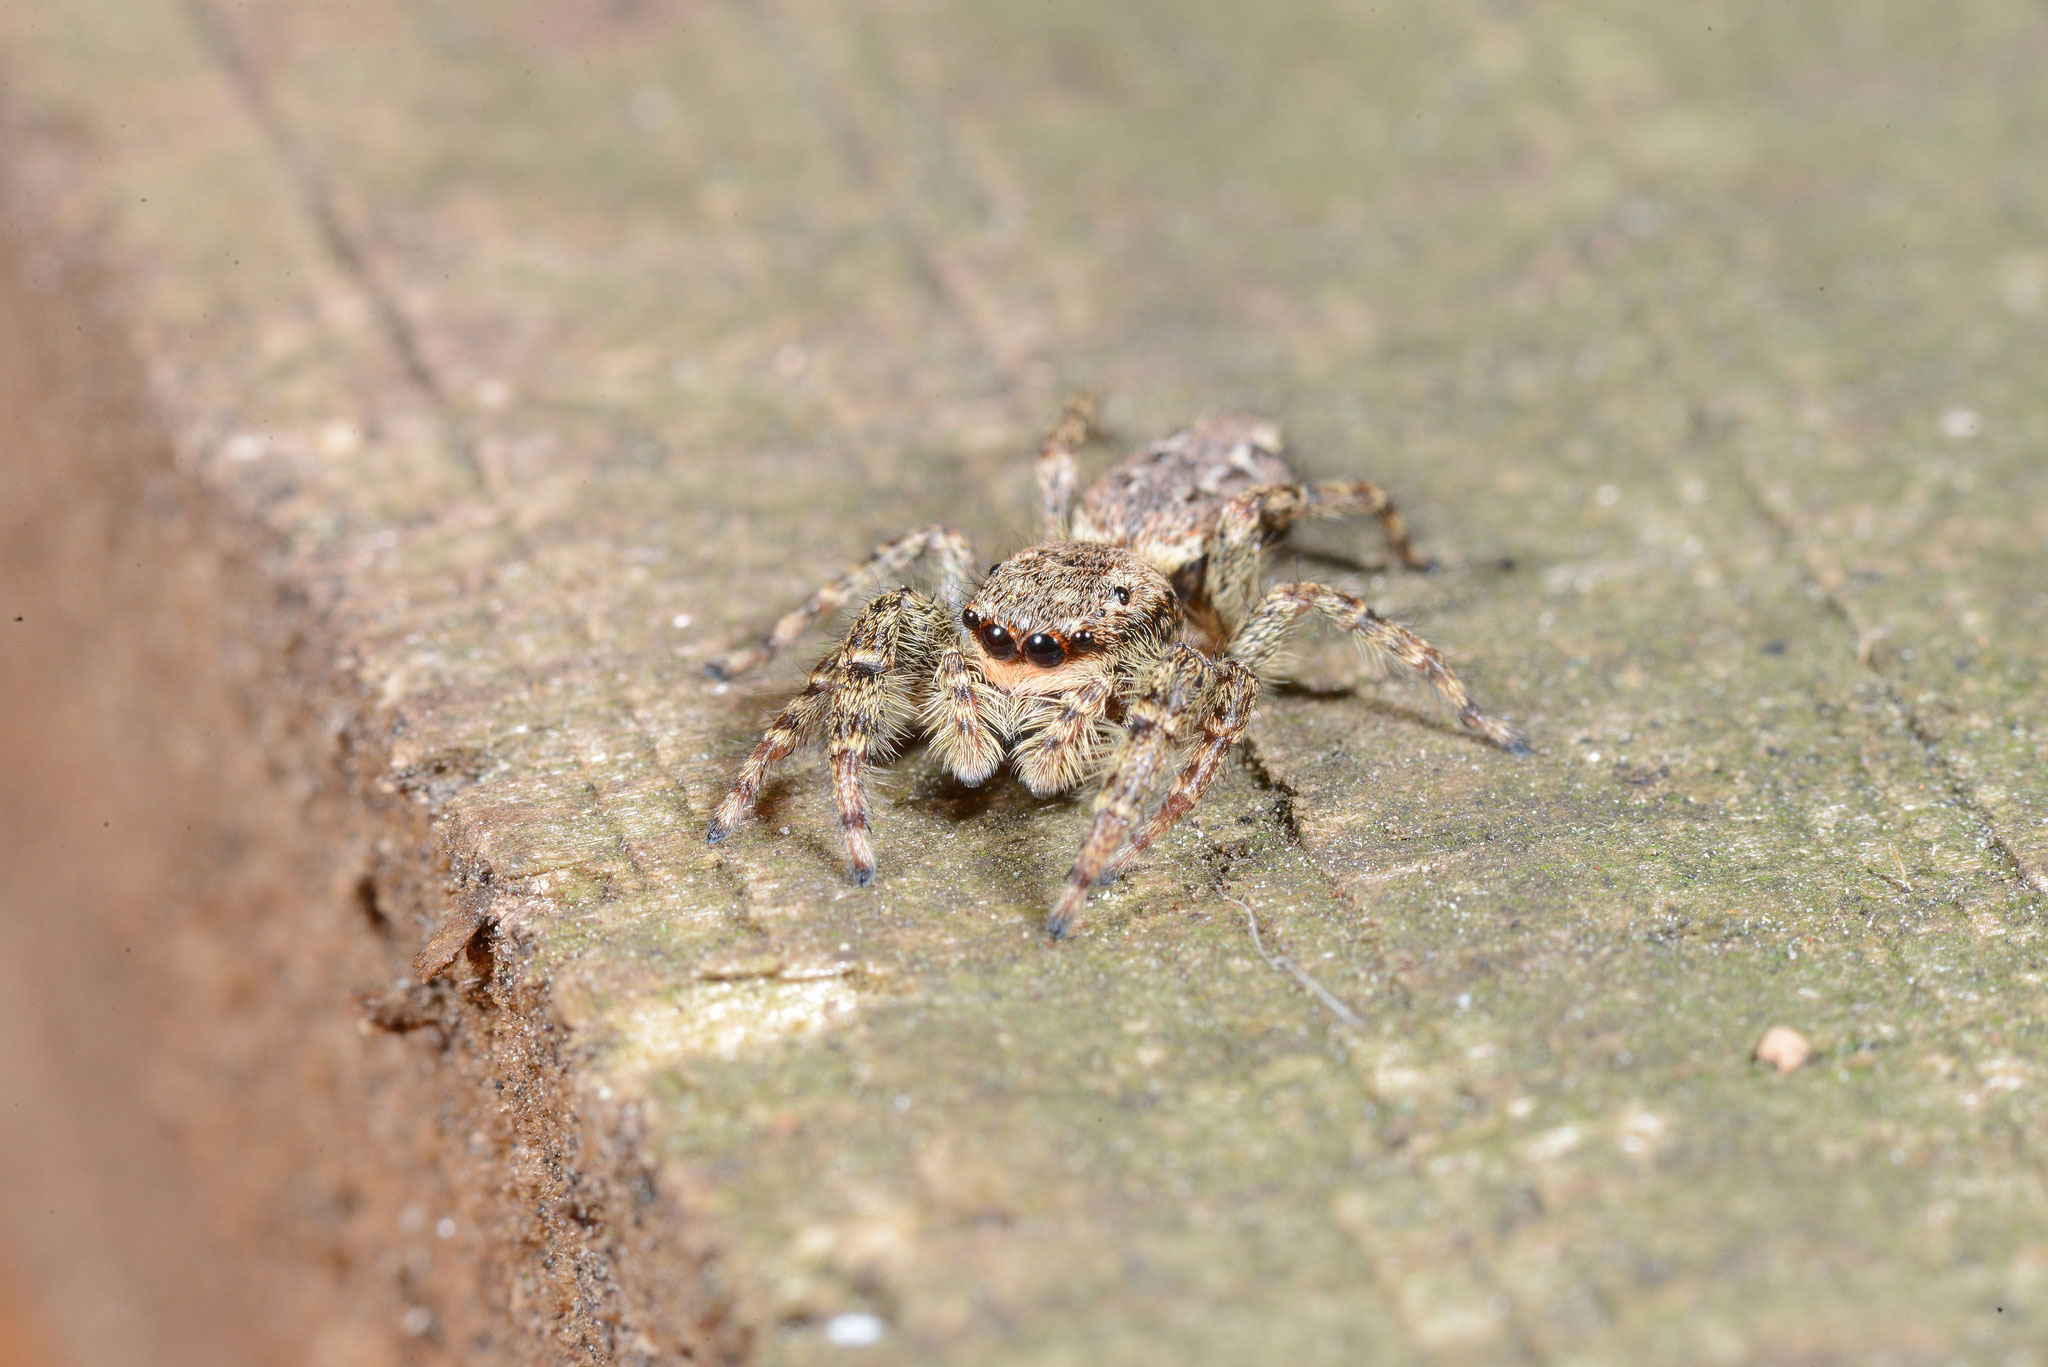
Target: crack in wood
1945, 770
322, 207
942, 279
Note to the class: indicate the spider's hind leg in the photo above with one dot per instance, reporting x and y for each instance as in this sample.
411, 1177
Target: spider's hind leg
955, 557
1334, 498
1057, 468
1258, 517
1286, 605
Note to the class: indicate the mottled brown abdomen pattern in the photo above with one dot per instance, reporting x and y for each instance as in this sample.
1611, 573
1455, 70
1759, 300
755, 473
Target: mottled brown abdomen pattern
1164, 501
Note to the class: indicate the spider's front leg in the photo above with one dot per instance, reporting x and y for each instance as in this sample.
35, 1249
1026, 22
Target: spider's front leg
1222, 723
1180, 694
862, 697
955, 557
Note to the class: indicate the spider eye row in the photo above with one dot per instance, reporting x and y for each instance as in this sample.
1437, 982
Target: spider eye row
1041, 648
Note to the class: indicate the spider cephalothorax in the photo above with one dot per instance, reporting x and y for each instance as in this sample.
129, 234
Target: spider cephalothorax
1065, 604
1126, 646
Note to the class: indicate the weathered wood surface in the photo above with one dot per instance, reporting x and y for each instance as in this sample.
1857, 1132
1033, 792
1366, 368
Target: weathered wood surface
564, 344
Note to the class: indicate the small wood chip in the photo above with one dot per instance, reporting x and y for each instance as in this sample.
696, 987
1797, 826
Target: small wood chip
1783, 1048
811, 970
457, 928
732, 968
727, 968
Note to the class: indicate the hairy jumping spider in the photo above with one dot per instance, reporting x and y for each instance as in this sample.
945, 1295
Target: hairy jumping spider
1125, 646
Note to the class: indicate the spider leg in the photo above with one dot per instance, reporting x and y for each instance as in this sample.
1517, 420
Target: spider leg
794, 725
860, 696
1229, 713
1256, 644
955, 557
1059, 753
1056, 464
1334, 498
1177, 690
1231, 581
1253, 519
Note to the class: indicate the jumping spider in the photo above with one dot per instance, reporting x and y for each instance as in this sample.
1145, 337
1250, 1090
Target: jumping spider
1126, 645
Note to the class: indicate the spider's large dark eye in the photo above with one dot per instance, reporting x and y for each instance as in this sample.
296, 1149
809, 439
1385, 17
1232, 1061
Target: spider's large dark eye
1123, 595
999, 644
1043, 650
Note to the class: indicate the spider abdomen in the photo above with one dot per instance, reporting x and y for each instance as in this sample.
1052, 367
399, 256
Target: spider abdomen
1164, 501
